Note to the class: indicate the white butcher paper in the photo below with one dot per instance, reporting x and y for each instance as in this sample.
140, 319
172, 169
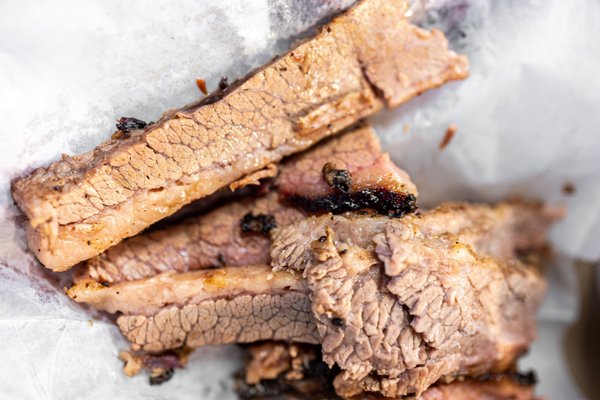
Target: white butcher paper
527, 125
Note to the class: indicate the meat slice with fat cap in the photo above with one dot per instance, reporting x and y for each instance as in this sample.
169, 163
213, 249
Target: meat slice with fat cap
216, 238
367, 58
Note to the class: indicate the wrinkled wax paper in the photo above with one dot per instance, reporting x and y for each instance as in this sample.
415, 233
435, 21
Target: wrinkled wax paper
527, 125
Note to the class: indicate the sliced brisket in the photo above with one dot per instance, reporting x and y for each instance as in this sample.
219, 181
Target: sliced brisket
314, 386
394, 322
226, 305
211, 240
222, 238
365, 59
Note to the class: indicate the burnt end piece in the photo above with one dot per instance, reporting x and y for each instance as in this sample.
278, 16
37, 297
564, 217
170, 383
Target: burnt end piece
339, 179
383, 201
126, 124
259, 223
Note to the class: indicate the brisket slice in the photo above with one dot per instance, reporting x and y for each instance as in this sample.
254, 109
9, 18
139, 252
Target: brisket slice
363, 60
211, 240
504, 230
216, 238
226, 305
276, 370
442, 304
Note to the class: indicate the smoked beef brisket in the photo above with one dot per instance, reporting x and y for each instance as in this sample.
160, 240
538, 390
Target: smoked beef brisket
365, 59
219, 238
397, 304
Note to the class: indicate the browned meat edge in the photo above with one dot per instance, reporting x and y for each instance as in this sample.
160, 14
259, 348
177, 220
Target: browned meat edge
366, 58
397, 304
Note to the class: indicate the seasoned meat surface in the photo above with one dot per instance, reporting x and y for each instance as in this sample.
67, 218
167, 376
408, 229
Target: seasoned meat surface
218, 306
402, 303
245, 318
219, 237
221, 306
363, 60
214, 239
149, 296
503, 230
357, 154
276, 370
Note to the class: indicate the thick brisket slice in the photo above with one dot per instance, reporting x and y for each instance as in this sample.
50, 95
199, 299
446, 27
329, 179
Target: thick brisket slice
216, 238
448, 300
149, 296
244, 318
227, 305
368, 57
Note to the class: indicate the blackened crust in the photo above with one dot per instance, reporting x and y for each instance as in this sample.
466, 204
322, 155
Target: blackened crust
339, 179
162, 377
383, 201
520, 378
127, 124
260, 223
316, 384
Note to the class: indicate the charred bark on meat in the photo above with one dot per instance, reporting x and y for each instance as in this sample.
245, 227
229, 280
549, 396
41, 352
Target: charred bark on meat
315, 384
260, 223
339, 179
127, 124
381, 200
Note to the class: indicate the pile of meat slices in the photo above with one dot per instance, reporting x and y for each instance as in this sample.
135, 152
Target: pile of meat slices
327, 264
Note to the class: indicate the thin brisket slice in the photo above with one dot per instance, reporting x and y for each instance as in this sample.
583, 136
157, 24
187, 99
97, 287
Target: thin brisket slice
363, 60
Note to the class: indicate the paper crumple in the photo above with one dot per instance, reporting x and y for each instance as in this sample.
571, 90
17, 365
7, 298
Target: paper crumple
525, 122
